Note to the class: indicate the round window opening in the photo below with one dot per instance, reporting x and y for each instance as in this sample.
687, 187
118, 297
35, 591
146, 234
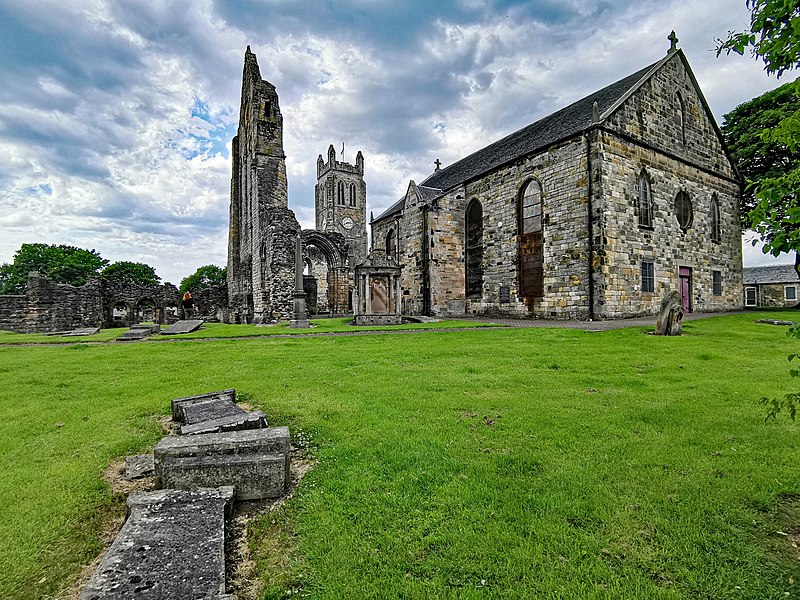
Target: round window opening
683, 210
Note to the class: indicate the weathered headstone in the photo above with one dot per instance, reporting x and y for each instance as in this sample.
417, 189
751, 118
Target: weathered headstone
254, 461
180, 404
171, 546
670, 315
300, 312
184, 326
209, 410
238, 422
141, 465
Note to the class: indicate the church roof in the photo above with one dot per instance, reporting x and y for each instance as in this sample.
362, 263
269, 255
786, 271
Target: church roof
562, 124
426, 195
771, 274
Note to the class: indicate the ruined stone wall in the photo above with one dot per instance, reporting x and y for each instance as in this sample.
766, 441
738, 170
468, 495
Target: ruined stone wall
136, 299
12, 312
211, 304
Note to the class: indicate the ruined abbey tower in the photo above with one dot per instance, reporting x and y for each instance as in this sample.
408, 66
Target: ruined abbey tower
263, 231
262, 228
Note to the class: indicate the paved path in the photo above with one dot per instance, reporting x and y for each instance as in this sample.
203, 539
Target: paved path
591, 325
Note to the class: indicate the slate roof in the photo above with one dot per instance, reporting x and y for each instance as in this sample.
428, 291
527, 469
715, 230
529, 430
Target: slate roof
427, 195
562, 124
772, 274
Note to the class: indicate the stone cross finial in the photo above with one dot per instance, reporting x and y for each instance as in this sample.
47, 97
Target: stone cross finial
673, 42
438, 164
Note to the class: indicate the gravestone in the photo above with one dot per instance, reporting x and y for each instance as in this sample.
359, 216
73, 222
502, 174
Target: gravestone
139, 466
247, 420
210, 410
180, 404
172, 545
184, 326
670, 315
254, 461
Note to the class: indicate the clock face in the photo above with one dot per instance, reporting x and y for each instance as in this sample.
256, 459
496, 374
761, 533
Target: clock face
347, 223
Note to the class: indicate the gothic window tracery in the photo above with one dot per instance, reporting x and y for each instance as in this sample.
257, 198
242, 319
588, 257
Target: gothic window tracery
531, 244
391, 244
716, 221
645, 200
474, 250
340, 194
353, 194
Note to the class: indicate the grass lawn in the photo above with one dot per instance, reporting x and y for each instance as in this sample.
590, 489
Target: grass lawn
489, 463
225, 330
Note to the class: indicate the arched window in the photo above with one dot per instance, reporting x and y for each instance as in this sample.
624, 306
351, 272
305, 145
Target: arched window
645, 201
683, 210
531, 241
474, 250
716, 222
680, 117
352, 194
340, 195
391, 244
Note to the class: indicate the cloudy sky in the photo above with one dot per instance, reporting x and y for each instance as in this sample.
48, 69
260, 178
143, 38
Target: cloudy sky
116, 116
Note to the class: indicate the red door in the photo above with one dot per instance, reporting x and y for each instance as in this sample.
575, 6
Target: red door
685, 274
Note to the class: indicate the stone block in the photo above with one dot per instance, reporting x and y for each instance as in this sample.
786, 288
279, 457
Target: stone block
209, 410
141, 465
172, 545
185, 326
178, 404
252, 420
254, 461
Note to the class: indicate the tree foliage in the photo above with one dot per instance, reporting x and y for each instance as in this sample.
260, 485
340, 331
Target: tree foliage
757, 156
774, 38
62, 264
203, 278
124, 271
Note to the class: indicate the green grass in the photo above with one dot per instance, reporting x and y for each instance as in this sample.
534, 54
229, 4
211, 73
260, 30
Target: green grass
225, 330
486, 463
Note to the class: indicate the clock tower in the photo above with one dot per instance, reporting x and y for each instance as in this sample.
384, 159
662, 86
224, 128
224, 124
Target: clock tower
340, 199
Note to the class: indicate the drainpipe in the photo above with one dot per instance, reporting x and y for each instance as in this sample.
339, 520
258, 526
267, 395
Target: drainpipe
591, 229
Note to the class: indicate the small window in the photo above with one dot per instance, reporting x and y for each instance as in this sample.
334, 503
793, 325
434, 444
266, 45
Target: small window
352, 194
645, 203
391, 244
683, 210
648, 277
750, 298
716, 282
790, 293
340, 195
716, 226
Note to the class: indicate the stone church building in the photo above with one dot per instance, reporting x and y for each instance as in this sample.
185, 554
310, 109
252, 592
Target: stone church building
594, 212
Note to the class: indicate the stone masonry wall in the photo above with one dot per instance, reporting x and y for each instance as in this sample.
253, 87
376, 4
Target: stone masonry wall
774, 294
692, 161
12, 312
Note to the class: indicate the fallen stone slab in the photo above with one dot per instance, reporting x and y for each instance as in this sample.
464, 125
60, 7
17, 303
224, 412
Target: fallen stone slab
185, 326
254, 461
82, 332
149, 327
133, 335
247, 420
172, 545
141, 465
209, 410
776, 322
180, 404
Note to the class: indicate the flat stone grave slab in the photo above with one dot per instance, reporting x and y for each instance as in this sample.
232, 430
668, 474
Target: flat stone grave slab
247, 420
180, 404
141, 465
254, 461
171, 546
133, 334
149, 327
209, 410
185, 326
776, 322
84, 331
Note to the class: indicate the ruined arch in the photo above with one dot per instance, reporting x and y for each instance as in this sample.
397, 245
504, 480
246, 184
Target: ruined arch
327, 282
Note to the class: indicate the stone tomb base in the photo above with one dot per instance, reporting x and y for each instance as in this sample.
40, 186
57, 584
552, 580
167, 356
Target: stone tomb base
255, 461
171, 546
